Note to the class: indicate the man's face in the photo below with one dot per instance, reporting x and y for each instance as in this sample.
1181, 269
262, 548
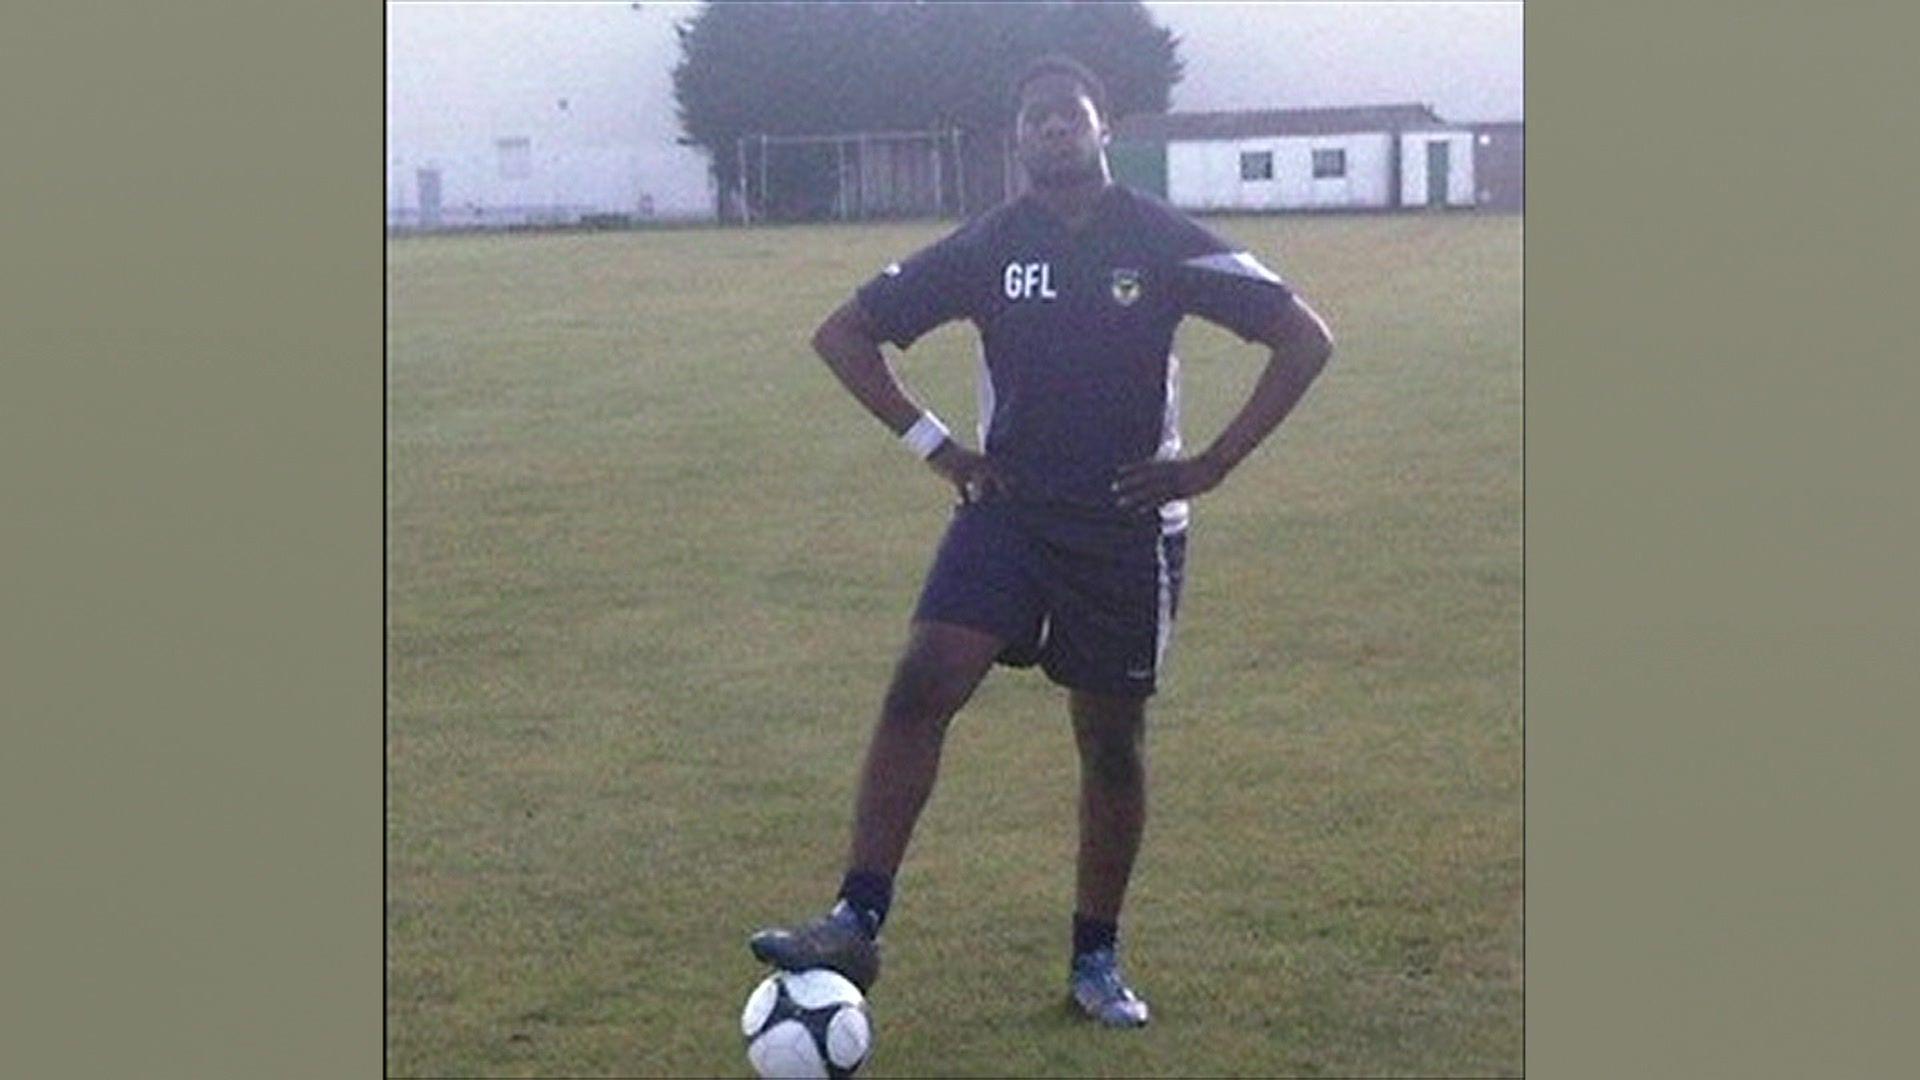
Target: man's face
1057, 132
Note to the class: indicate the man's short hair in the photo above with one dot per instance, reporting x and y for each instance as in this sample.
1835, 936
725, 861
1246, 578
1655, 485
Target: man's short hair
1062, 64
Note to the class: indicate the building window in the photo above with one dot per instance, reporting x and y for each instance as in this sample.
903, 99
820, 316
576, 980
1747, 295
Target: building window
516, 158
1256, 165
1329, 163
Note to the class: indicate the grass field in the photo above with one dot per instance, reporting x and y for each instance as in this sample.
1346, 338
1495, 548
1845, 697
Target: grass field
648, 569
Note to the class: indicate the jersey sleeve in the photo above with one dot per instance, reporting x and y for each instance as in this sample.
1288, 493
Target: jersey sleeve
913, 296
1224, 283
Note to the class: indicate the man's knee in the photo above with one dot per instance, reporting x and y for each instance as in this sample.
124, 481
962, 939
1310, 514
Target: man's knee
1110, 733
931, 683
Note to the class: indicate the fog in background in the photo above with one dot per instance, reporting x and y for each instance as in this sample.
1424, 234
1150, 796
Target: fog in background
481, 66
1463, 59
591, 84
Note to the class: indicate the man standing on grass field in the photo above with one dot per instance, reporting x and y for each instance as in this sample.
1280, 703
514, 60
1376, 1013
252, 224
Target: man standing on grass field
1067, 548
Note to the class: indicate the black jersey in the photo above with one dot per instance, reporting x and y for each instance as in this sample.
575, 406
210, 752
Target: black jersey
1077, 372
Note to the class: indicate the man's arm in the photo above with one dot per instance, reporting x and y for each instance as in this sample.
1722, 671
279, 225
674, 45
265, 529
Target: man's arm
850, 345
1299, 345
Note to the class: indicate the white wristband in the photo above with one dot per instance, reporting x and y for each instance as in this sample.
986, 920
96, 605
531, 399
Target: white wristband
925, 436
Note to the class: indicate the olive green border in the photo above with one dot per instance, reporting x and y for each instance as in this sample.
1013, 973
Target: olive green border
1718, 565
190, 742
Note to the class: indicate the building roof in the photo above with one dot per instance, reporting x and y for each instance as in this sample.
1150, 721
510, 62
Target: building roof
1169, 127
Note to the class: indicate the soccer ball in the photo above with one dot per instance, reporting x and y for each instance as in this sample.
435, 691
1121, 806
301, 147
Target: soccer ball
806, 1024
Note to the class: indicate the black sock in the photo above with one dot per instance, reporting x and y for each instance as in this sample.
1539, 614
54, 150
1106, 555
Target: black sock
869, 895
1092, 934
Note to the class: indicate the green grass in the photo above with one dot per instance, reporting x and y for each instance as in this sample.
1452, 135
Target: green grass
649, 567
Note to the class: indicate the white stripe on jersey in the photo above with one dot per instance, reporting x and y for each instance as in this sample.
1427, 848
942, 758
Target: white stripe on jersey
1236, 263
983, 395
1173, 515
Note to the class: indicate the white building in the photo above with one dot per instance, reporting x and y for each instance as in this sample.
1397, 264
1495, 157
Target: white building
1381, 157
532, 173
485, 129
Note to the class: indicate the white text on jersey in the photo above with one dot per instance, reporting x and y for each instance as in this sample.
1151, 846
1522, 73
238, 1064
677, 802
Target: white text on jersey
1026, 281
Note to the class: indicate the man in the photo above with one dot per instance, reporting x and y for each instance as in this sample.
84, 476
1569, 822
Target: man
1067, 547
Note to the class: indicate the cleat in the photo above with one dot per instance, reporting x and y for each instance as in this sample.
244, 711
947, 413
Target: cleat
1102, 992
835, 941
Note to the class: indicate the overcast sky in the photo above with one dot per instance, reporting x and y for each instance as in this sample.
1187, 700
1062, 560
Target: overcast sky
1463, 59
482, 67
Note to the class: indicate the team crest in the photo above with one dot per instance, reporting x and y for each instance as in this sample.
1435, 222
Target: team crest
1126, 286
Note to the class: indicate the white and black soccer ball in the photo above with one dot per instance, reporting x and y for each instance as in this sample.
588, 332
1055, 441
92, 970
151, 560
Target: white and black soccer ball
806, 1024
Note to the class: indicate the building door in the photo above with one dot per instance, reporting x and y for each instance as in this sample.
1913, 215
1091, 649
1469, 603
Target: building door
1140, 165
429, 184
1437, 174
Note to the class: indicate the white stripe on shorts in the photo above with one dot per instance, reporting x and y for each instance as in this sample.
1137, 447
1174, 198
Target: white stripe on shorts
1163, 630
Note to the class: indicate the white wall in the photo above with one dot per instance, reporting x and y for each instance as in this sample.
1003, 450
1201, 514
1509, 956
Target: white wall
1202, 175
564, 180
1206, 175
1413, 167
462, 76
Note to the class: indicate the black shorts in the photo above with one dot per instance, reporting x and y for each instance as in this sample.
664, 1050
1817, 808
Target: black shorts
1090, 599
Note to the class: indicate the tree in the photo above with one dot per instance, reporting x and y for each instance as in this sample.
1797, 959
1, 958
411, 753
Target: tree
830, 67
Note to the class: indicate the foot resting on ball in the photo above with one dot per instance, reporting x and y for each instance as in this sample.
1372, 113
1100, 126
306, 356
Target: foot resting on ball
837, 941
1102, 992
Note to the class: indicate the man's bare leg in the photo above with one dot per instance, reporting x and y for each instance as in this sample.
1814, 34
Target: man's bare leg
1113, 798
1113, 812
938, 671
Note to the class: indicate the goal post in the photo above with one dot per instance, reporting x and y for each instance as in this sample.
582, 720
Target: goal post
852, 176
